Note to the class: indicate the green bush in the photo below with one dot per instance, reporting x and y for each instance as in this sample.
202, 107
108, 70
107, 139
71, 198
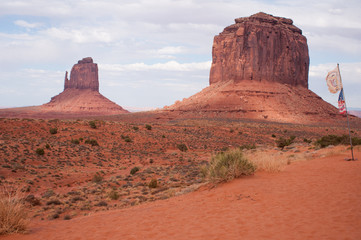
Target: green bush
92, 124
282, 142
97, 178
92, 142
113, 195
153, 183
182, 147
134, 170
228, 165
126, 138
53, 130
148, 127
40, 151
75, 141
337, 140
135, 128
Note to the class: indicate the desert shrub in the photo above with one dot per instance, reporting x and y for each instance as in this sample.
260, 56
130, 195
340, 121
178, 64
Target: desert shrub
53, 130
228, 165
134, 170
337, 140
273, 135
47, 146
148, 127
113, 195
92, 142
182, 147
307, 140
92, 124
13, 213
97, 178
126, 138
283, 142
40, 151
53, 202
101, 204
135, 128
75, 141
153, 183
247, 146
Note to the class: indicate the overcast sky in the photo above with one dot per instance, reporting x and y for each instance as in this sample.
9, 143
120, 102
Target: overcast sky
151, 53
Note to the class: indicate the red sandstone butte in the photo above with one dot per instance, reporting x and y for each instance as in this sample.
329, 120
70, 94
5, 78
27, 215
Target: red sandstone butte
259, 71
260, 48
81, 93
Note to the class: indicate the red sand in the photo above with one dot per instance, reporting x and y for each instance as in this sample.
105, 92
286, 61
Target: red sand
315, 199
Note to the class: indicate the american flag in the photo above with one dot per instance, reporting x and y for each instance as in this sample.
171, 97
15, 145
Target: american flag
341, 103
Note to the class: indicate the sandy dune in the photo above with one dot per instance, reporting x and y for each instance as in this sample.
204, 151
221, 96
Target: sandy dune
315, 199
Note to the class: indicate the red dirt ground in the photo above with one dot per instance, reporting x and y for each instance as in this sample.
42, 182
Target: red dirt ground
314, 199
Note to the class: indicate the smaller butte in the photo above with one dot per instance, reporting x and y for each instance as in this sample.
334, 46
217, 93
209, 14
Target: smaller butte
81, 93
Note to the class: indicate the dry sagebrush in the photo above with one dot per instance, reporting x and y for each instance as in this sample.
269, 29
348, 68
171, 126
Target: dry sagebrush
13, 214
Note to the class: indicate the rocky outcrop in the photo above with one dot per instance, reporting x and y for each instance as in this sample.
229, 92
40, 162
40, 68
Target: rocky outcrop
81, 93
83, 75
259, 71
260, 48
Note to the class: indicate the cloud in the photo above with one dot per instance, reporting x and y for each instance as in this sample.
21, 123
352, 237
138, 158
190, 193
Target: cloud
168, 66
26, 24
157, 49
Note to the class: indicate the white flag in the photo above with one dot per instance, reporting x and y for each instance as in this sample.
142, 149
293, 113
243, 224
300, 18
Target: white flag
333, 80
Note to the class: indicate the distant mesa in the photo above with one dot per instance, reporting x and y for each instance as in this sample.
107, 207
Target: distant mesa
81, 93
259, 71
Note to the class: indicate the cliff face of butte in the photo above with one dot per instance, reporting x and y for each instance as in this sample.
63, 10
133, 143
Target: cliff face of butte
81, 93
260, 48
259, 71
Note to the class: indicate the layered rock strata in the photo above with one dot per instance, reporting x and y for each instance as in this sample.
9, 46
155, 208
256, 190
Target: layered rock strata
260, 48
259, 71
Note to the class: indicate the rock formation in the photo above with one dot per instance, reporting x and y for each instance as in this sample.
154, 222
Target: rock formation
259, 71
260, 48
83, 75
81, 93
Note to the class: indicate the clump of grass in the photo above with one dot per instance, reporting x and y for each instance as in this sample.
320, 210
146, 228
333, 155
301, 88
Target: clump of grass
134, 170
92, 124
248, 146
53, 130
182, 147
113, 195
337, 140
283, 142
75, 141
40, 151
126, 138
228, 165
97, 178
148, 127
13, 213
153, 183
92, 142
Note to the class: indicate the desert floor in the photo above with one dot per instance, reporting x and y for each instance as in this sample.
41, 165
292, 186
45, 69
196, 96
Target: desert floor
317, 198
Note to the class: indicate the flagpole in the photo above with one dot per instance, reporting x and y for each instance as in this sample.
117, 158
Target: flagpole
348, 122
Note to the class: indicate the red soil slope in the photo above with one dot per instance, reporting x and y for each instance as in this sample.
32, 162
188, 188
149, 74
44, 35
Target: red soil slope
315, 199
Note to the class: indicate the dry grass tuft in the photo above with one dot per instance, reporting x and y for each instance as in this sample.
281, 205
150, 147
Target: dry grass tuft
228, 165
268, 162
13, 214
